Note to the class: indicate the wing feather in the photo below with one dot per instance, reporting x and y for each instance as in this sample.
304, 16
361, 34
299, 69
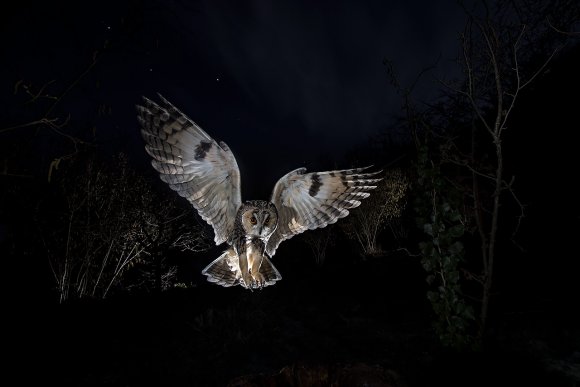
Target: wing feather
307, 201
192, 164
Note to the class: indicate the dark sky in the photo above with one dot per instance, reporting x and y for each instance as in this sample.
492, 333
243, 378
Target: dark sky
285, 84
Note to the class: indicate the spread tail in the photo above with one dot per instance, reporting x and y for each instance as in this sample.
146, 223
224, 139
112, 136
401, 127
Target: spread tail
225, 270
270, 273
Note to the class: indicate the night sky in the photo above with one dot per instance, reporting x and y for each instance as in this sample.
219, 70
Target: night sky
294, 82
286, 84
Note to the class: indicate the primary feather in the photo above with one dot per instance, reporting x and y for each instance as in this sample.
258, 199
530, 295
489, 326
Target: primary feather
306, 201
193, 164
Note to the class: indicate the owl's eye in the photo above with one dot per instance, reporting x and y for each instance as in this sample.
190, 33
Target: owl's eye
253, 220
266, 221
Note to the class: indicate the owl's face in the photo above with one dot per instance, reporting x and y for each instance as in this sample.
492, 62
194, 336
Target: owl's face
260, 221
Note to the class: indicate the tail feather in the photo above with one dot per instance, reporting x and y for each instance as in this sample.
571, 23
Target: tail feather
225, 270
270, 273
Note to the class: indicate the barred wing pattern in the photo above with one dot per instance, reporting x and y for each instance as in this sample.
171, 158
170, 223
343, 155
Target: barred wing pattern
193, 164
306, 201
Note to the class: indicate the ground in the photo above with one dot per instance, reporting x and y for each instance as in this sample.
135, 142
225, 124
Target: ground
353, 323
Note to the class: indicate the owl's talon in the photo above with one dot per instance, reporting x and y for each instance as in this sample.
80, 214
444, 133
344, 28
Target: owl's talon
248, 281
259, 279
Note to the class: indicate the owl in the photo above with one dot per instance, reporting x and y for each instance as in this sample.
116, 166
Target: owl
205, 172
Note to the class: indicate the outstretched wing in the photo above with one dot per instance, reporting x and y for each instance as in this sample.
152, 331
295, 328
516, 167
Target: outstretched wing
193, 164
306, 201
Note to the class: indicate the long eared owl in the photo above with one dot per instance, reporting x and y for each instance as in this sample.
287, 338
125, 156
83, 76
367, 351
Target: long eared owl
206, 173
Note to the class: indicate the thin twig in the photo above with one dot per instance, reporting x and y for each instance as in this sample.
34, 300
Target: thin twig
569, 33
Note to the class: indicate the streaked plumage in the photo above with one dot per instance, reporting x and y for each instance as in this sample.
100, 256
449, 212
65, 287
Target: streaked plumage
205, 172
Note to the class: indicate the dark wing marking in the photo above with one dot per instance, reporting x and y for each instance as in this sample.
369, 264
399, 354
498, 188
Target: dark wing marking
306, 201
193, 164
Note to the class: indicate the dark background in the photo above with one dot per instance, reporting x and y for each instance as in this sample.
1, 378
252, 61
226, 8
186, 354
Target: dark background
285, 85
300, 82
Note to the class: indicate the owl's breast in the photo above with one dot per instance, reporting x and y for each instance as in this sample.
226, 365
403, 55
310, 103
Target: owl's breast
256, 242
255, 249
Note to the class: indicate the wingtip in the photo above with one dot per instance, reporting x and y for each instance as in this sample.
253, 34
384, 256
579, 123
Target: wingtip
370, 167
163, 99
149, 101
297, 171
361, 172
374, 173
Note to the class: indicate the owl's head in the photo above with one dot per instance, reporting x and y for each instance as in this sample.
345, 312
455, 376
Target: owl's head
259, 218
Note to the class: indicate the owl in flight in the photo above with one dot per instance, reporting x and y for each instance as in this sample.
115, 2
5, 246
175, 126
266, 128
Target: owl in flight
206, 173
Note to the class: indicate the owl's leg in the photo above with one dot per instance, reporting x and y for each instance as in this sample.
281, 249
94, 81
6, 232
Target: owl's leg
246, 276
255, 257
255, 270
241, 251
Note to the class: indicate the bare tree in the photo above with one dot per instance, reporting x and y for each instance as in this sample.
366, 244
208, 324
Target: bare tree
385, 204
112, 224
494, 80
47, 100
169, 224
319, 241
460, 183
466, 132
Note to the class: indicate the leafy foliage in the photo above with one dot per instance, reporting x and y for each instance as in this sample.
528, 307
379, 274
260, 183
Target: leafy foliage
438, 215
